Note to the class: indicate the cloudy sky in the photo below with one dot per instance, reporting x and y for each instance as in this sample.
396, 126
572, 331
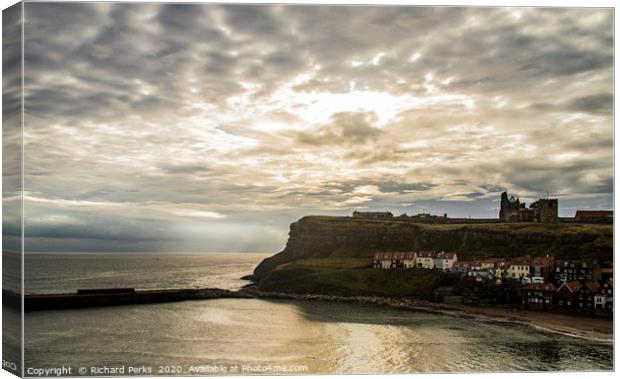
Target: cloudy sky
211, 128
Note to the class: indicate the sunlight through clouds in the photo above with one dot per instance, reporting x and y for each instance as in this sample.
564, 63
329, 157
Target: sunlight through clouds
203, 117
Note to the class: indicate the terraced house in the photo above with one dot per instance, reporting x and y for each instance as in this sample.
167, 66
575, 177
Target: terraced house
397, 259
539, 296
567, 296
541, 267
425, 259
569, 270
411, 259
604, 299
585, 297
518, 268
444, 261
463, 267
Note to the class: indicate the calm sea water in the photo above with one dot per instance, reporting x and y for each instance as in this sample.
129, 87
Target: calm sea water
54, 273
253, 336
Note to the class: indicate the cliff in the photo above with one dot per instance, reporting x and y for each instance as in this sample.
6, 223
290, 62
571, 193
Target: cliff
333, 246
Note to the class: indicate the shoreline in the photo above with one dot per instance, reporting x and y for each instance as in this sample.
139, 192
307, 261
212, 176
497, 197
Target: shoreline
577, 326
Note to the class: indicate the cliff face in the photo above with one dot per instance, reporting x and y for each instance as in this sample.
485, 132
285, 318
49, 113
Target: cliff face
318, 237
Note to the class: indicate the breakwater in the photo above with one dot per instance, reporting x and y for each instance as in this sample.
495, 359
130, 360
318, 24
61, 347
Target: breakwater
112, 297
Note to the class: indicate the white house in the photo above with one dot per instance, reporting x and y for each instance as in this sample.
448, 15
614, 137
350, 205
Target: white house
382, 261
409, 259
424, 259
518, 268
600, 301
604, 299
443, 261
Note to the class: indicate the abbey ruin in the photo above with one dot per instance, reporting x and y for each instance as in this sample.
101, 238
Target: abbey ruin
542, 210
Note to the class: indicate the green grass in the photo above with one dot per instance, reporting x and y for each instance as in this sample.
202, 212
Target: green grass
336, 263
354, 282
521, 227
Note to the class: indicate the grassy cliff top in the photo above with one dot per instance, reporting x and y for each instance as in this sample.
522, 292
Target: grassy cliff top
327, 242
333, 255
521, 227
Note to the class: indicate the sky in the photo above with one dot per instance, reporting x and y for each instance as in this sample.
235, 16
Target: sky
152, 127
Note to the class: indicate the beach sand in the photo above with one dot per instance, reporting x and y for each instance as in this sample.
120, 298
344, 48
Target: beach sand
598, 328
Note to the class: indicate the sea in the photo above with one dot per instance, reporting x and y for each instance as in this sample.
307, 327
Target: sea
252, 336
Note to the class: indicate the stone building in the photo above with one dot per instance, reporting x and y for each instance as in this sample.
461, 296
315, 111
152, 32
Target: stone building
513, 210
545, 210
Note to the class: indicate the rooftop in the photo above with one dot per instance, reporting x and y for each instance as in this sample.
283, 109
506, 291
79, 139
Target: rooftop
541, 287
592, 286
573, 286
594, 214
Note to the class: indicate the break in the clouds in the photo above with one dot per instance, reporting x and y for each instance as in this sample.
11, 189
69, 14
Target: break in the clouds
211, 128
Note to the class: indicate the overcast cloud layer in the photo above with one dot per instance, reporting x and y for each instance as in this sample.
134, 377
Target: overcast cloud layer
211, 128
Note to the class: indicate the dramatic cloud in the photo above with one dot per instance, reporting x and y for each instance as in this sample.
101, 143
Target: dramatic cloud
212, 127
343, 127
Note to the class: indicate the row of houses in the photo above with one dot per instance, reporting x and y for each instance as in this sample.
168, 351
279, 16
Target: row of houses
413, 259
588, 297
492, 268
570, 270
540, 269
540, 282
527, 269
